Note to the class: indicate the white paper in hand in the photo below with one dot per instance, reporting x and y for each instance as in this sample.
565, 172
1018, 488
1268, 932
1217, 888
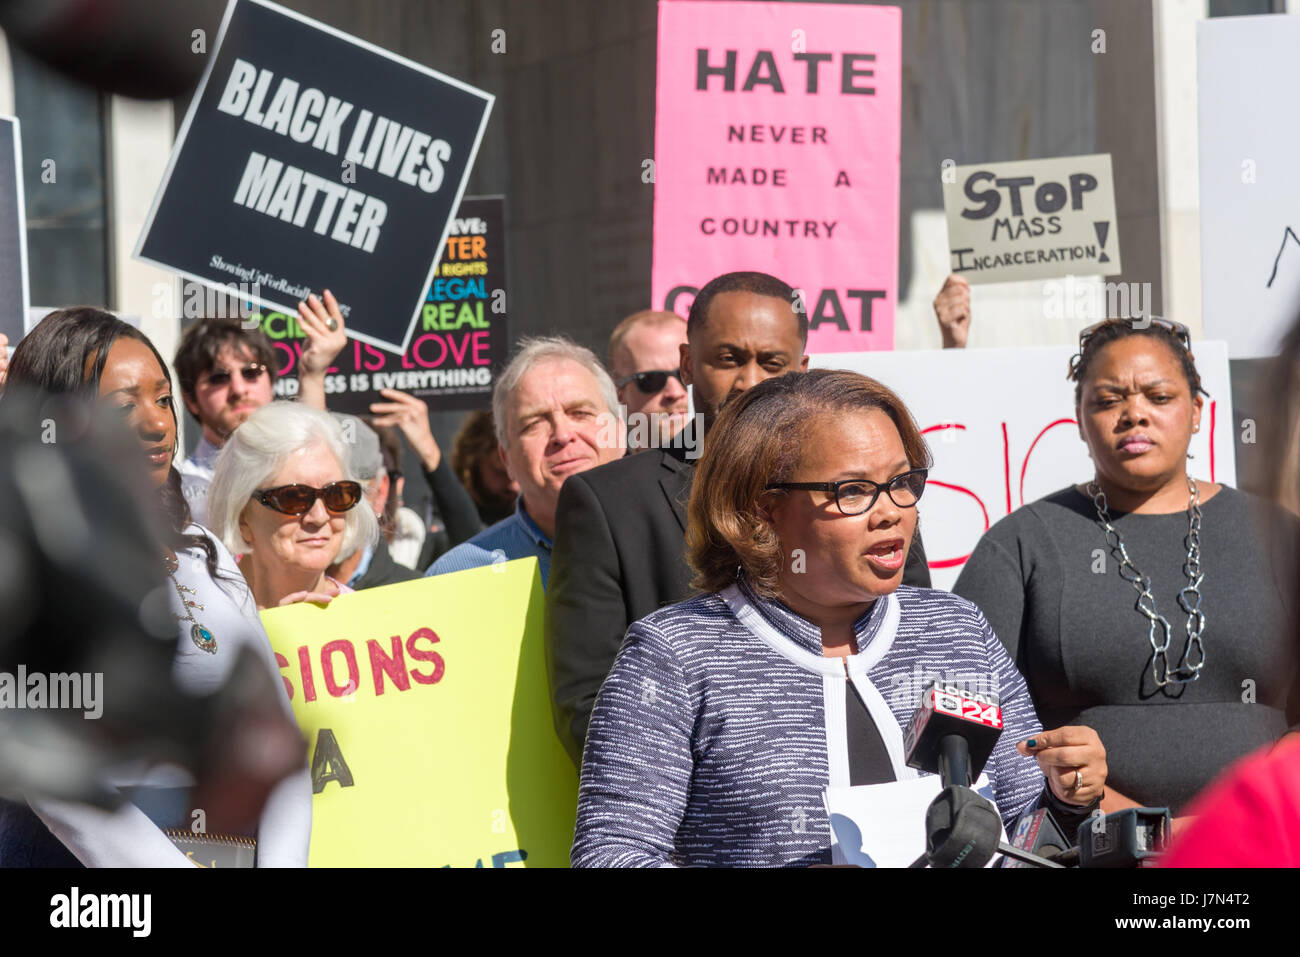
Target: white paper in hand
883, 825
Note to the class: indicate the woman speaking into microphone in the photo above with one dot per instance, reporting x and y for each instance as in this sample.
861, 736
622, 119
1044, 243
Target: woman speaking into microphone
726, 717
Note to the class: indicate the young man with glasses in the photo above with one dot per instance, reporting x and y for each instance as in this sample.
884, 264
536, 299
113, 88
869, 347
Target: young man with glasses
227, 372
644, 358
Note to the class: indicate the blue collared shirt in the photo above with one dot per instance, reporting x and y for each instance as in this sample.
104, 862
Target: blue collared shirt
363, 566
515, 537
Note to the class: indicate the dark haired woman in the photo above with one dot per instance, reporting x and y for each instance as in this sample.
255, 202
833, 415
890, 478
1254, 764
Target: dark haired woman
89, 352
726, 717
1143, 602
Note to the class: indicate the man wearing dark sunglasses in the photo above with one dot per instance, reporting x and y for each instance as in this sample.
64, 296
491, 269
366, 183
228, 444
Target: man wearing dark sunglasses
620, 545
228, 372
645, 360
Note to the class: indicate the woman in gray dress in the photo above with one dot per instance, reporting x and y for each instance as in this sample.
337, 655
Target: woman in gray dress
1145, 603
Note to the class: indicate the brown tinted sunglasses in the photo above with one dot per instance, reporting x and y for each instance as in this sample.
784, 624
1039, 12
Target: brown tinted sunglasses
299, 499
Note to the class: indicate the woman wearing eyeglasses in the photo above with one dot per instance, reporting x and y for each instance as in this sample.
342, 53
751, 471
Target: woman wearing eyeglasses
725, 718
283, 499
85, 351
1144, 602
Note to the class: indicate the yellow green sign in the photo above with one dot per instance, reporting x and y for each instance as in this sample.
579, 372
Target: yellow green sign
428, 723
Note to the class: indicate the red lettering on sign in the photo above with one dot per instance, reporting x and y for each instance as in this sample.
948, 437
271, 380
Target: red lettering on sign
421, 655
954, 562
418, 355
1025, 465
289, 360
304, 668
393, 665
343, 647
459, 354
1006, 468
283, 662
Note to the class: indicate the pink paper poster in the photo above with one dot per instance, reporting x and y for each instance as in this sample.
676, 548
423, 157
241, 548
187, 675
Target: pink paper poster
776, 150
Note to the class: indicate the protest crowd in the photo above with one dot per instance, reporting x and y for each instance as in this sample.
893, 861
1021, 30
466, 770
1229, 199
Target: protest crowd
827, 463
738, 605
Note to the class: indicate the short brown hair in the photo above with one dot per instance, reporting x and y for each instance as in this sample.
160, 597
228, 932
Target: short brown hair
756, 440
476, 440
203, 341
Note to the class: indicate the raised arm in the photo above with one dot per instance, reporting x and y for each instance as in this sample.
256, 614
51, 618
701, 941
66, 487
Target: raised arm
323, 346
410, 414
952, 310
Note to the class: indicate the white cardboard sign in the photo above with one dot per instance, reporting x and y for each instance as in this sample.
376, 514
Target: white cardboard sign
1250, 206
1000, 425
1032, 219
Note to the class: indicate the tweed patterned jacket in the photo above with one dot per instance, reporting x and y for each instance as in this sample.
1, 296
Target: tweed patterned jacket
721, 725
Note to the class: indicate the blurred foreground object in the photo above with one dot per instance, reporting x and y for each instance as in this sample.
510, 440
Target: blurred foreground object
150, 49
84, 593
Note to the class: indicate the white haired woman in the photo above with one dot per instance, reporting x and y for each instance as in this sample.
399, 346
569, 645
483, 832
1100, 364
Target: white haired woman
283, 497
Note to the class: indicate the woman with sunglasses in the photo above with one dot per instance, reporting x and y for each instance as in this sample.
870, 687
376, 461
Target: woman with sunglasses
282, 498
726, 717
1144, 602
85, 351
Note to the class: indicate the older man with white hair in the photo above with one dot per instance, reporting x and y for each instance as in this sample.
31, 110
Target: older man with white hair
552, 407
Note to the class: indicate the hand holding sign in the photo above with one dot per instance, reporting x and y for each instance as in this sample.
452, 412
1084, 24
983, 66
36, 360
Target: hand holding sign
952, 309
315, 597
323, 346
326, 334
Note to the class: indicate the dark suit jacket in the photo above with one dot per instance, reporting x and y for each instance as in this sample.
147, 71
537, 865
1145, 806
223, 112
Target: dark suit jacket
384, 571
619, 555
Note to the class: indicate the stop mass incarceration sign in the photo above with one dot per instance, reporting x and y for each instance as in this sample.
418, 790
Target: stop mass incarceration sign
310, 160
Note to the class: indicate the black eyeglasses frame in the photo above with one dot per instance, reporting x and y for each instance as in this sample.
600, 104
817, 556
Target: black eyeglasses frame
834, 489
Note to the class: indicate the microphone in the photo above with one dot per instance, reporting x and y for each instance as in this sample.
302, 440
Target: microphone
1128, 838
953, 733
1037, 833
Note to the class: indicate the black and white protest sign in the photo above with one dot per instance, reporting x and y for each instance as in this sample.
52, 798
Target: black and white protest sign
13, 234
310, 160
1034, 219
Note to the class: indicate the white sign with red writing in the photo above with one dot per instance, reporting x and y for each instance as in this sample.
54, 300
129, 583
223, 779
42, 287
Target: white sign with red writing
1002, 429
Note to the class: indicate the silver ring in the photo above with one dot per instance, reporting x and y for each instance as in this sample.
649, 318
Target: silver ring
1078, 779
332, 324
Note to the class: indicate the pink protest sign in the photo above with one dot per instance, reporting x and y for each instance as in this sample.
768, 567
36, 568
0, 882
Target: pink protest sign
776, 149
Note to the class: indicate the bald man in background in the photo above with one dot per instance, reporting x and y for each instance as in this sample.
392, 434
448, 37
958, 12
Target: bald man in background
645, 360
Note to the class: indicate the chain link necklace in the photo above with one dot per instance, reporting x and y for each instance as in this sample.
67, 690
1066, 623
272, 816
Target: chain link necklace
1193, 657
200, 635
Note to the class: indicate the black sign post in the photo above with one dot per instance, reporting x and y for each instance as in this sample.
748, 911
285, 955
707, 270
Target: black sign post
310, 160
